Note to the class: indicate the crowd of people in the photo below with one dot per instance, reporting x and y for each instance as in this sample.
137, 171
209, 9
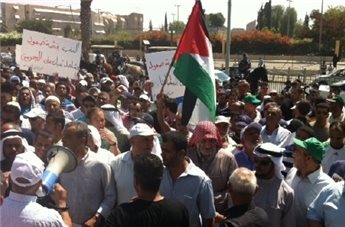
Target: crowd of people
273, 158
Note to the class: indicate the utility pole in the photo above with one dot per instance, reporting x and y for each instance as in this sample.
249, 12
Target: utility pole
173, 14
178, 11
228, 39
321, 23
288, 15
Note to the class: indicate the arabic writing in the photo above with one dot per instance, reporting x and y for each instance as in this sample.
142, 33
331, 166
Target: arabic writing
156, 66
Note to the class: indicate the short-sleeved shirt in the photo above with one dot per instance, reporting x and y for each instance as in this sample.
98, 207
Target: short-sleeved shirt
193, 188
22, 210
122, 167
329, 206
280, 136
143, 213
306, 189
332, 155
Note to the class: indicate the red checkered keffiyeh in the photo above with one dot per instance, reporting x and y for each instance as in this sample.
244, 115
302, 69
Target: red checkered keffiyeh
205, 130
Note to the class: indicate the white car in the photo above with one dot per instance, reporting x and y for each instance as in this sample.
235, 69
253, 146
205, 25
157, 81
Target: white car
331, 78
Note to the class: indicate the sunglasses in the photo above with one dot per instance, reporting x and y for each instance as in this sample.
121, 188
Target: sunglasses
262, 162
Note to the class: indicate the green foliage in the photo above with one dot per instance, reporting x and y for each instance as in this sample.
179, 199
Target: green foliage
10, 39
67, 31
166, 23
150, 26
264, 18
215, 20
277, 15
333, 27
44, 26
177, 26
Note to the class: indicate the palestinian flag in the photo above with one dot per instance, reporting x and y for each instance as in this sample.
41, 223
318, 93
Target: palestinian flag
193, 63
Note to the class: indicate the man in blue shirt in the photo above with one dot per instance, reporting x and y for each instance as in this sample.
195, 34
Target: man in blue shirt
185, 182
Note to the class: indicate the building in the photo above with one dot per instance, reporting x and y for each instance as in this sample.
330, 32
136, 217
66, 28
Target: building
64, 17
251, 26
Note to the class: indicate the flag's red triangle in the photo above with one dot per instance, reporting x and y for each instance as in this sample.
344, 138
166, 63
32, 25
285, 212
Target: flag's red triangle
194, 39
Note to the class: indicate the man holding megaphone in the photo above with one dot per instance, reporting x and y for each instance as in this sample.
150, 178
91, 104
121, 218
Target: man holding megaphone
21, 208
90, 186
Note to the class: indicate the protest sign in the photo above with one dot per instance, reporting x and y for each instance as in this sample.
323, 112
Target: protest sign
49, 54
157, 66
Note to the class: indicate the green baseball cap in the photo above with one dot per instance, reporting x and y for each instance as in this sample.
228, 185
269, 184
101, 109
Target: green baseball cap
339, 100
313, 146
252, 100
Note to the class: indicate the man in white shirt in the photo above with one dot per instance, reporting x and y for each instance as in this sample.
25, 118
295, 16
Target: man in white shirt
307, 178
272, 132
141, 140
20, 207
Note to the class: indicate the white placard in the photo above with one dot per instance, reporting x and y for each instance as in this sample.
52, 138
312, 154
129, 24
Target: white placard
157, 66
49, 54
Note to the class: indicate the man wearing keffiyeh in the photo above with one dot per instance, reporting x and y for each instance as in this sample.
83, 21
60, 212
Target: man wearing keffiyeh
275, 196
206, 152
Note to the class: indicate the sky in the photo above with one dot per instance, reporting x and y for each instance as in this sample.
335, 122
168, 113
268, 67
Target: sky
243, 11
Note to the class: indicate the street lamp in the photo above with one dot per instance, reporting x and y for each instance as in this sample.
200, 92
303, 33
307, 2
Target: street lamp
178, 11
228, 38
288, 15
321, 22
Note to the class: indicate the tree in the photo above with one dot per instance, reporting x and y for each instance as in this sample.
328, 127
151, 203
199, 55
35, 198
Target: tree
267, 15
166, 22
85, 27
264, 18
150, 26
177, 26
44, 26
215, 20
260, 21
306, 21
333, 27
277, 16
67, 31
288, 21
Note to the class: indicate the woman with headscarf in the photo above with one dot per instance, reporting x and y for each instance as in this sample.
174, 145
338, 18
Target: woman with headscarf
205, 150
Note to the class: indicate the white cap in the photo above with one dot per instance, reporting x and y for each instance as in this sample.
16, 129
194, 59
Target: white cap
36, 112
145, 97
83, 83
15, 104
222, 119
53, 98
141, 129
105, 80
27, 166
42, 81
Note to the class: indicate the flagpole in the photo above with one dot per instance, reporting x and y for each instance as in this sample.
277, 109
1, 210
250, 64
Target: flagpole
165, 79
172, 61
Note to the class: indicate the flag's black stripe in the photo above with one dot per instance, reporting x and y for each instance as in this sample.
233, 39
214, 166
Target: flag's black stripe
189, 101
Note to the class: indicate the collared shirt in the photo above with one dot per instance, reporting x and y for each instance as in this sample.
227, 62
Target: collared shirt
243, 159
276, 197
122, 167
22, 210
218, 169
279, 137
332, 155
193, 188
328, 207
90, 187
340, 118
77, 114
306, 189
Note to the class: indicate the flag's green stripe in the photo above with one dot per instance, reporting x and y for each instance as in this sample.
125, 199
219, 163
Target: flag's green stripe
193, 76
